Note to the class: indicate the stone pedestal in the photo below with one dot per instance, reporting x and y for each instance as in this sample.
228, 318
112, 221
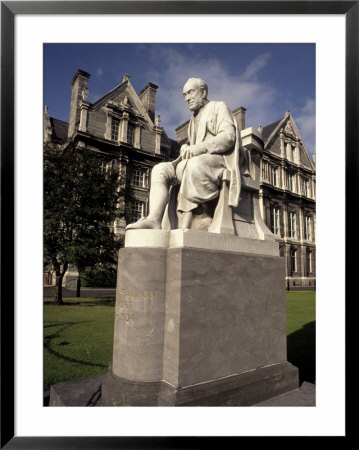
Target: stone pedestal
198, 326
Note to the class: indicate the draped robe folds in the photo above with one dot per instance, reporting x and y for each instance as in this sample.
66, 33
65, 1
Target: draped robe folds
200, 175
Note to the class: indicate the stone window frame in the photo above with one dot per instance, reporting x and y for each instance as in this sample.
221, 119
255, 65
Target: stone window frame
291, 181
293, 260
130, 136
292, 224
138, 209
103, 166
107, 165
144, 175
265, 164
307, 227
115, 131
275, 175
275, 220
309, 261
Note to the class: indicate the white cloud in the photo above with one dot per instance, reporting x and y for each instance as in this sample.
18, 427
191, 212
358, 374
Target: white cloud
306, 124
239, 89
256, 65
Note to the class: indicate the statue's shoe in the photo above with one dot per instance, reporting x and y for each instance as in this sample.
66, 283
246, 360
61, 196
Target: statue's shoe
143, 224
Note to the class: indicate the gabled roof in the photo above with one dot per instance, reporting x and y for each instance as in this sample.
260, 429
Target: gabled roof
270, 135
123, 87
109, 95
59, 128
268, 129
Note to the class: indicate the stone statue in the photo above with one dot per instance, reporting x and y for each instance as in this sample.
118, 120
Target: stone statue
213, 146
85, 94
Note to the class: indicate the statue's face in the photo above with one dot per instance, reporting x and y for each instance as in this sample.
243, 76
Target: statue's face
193, 95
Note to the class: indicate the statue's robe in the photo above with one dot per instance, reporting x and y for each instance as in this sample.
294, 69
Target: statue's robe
200, 176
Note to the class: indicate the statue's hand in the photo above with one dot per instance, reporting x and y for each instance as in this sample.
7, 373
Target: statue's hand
188, 151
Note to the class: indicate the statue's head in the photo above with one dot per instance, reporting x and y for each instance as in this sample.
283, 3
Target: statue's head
195, 93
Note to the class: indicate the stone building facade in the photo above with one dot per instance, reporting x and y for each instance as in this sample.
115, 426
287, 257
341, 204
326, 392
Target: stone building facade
288, 188
123, 129
287, 195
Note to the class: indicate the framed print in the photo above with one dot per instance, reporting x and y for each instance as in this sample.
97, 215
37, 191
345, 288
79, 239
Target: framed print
26, 28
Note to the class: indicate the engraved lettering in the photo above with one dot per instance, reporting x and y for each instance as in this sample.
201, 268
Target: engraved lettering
145, 293
126, 317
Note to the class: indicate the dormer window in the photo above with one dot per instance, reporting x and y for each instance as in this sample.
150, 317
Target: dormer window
115, 126
130, 133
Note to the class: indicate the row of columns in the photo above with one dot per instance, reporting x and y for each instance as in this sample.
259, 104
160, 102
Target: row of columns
298, 242
282, 172
284, 218
289, 148
124, 123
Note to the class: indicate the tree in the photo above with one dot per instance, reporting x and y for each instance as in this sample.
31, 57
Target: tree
81, 201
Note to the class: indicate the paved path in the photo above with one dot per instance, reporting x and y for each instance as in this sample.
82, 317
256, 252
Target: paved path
85, 292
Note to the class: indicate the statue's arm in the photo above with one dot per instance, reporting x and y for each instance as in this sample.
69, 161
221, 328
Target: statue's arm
222, 136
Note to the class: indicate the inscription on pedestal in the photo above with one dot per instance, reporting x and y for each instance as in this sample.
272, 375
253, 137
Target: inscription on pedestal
126, 299
135, 293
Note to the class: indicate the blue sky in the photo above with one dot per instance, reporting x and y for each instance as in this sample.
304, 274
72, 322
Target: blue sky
267, 79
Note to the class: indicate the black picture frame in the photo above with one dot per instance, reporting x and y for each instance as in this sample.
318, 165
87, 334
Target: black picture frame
9, 9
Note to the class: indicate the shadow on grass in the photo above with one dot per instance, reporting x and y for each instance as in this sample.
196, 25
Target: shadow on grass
48, 345
97, 301
301, 351
102, 301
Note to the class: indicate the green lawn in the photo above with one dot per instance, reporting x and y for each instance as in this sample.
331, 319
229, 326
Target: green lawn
78, 337
301, 333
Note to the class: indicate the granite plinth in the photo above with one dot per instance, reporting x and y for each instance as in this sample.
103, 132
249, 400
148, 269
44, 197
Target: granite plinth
188, 319
199, 240
68, 392
86, 392
245, 389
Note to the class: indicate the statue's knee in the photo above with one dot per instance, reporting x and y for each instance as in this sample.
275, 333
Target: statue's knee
161, 173
194, 169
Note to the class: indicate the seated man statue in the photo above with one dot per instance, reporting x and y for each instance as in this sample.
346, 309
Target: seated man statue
213, 146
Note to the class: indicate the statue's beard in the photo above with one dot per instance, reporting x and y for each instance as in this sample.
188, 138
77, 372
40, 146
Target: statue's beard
199, 105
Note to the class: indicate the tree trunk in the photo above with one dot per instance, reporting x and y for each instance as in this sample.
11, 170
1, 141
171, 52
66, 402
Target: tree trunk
58, 286
78, 287
81, 270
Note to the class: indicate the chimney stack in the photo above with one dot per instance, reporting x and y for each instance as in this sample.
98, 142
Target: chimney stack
240, 116
147, 96
79, 91
47, 125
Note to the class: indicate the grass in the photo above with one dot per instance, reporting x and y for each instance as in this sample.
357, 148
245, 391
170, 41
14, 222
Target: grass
301, 333
78, 337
